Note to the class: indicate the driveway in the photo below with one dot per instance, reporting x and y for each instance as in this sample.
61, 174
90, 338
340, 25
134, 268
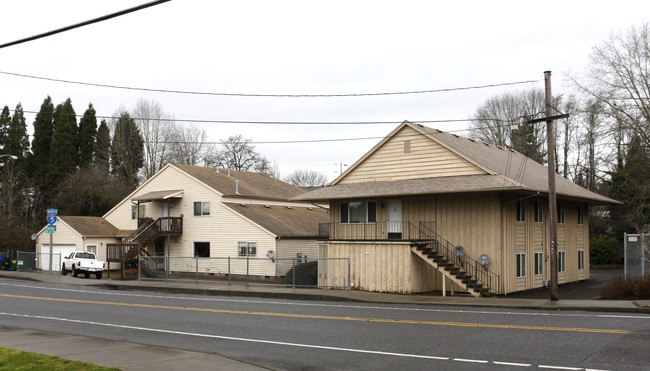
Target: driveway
586, 290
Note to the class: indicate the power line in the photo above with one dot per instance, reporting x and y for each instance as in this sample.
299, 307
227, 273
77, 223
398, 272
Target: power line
85, 23
259, 95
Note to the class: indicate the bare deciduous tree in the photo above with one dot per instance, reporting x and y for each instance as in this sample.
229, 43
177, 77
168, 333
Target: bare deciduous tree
189, 145
156, 128
238, 153
306, 178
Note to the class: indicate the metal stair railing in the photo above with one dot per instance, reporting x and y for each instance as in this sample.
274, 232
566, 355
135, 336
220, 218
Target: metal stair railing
488, 279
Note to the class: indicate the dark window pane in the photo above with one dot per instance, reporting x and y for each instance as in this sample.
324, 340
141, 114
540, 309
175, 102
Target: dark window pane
344, 212
202, 249
372, 212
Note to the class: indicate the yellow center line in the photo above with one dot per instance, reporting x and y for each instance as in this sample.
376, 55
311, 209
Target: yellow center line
315, 316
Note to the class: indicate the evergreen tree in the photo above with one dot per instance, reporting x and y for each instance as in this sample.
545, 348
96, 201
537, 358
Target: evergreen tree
5, 119
87, 136
127, 149
16, 140
41, 143
525, 140
64, 155
103, 147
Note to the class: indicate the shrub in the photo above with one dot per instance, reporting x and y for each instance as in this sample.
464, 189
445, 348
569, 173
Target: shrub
603, 250
631, 288
306, 274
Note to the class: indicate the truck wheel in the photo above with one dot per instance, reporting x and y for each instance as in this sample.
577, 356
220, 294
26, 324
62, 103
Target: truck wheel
87, 275
74, 272
98, 276
63, 271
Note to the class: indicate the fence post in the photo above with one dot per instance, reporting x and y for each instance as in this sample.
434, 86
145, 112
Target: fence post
643, 272
166, 268
293, 270
229, 283
197, 269
247, 260
139, 266
625, 255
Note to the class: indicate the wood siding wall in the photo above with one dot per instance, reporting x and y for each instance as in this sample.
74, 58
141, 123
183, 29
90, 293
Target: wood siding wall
528, 237
288, 248
380, 267
425, 158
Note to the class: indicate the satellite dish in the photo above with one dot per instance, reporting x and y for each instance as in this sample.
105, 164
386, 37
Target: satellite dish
484, 259
270, 254
459, 251
34, 237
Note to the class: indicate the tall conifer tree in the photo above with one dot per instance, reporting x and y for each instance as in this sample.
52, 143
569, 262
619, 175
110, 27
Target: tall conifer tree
103, 147
87, 136
5, 119
127, 149
17, 141
41, 143
64, 152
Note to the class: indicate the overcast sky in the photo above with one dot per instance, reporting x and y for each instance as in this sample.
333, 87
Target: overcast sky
302, 47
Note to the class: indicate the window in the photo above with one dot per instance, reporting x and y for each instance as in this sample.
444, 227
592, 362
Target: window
202, 208
561, 262
247, 248
538, 211
92, 249
407, 146
539, 263
359, 212
560, 213
202, 249
521, 265
135, 214
521, 211
581, 215
581, 259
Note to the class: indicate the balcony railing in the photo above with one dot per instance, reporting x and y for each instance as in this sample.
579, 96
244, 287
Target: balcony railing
399, 230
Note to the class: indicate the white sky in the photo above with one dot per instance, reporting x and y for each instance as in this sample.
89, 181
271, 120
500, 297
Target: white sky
302, 47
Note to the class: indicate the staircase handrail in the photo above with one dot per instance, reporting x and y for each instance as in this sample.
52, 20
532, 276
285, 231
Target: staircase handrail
472, 267
141, 229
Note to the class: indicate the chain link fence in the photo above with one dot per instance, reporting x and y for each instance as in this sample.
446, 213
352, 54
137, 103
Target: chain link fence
243, 270
637, 254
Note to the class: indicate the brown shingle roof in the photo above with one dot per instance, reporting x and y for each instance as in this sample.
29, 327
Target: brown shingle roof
513, 171
251, 185
282, 221
90, 226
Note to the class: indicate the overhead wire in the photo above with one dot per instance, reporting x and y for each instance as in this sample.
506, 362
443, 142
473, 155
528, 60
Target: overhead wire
261, 95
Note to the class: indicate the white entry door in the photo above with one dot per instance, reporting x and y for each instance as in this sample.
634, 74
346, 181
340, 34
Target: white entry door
394, 219
164, 213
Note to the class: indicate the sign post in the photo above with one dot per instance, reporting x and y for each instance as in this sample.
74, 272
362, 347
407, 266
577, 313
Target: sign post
50, 229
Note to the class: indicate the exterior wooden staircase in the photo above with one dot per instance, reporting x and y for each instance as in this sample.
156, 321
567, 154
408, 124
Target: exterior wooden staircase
458, 268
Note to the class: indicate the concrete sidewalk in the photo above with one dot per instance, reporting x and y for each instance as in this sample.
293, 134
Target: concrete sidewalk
129, 356
570, 295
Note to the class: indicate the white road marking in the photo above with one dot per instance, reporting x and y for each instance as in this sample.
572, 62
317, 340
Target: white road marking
306, 304
470, 360
512, 364
282, 343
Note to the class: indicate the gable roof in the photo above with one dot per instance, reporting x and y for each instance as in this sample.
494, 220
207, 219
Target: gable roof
242, 183
283, 221
90, 226
506, 169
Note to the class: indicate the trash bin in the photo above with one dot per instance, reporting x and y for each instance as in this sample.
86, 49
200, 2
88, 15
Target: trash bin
12, 265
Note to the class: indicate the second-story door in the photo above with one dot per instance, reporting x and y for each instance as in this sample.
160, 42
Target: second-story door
394, 219
164, 214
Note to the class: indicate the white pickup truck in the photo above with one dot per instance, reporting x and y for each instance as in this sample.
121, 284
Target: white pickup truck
83, 262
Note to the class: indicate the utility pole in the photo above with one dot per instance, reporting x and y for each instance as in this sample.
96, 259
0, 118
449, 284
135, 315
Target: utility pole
552, 201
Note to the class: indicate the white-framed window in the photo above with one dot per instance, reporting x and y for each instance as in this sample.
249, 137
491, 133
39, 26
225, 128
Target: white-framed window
581, 260
135, 214
202, 208
246, 248
539, 263
359, 212
538, 212
92, 249
560, 213
581, 215
202, 249
521, 211
521, 265
561, 262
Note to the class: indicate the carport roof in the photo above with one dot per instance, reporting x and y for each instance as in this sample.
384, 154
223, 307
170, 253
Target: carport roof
159, 195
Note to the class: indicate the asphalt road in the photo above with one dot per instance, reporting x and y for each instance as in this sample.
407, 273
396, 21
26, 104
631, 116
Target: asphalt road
298, 335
